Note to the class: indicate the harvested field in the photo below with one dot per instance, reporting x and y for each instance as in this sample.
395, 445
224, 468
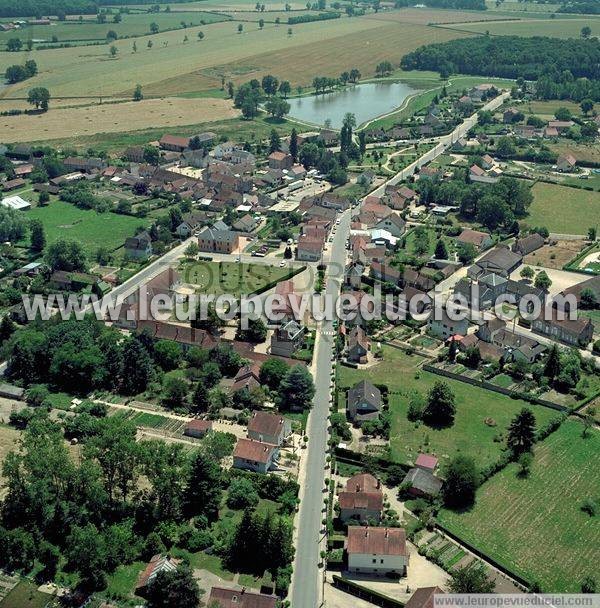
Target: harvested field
421, 16
114, 118
534, 525
555, 256
330, 57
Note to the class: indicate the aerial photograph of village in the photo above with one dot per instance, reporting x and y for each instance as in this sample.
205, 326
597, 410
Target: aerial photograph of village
299, 303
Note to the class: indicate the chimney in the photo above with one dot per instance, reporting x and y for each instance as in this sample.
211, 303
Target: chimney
386, 533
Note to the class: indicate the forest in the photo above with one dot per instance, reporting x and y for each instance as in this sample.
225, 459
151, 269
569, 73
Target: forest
509, 57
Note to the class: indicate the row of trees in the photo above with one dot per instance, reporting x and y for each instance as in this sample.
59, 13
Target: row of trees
18, 73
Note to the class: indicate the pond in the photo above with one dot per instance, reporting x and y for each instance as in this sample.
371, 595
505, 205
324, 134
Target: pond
365, 101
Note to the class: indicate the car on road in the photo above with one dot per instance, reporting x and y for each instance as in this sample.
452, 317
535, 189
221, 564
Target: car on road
281, 264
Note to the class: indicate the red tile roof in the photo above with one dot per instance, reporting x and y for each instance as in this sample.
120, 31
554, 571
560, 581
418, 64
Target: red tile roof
363, 482
256, 451
423, 597
373, 501
376, 541
234, 598
426, 461
266, 423
201, 426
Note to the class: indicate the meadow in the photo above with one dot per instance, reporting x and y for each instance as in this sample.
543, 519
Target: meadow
534, 525
562, 209
93, 230
469, 435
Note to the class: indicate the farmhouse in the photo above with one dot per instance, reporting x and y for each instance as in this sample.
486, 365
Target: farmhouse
174, 143
139, 247
528, 244
380, 551
362, 500
269, 427
254, 455
363, 401
566, 163
479, 240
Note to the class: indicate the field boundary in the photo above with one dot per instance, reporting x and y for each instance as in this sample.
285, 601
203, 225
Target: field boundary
497, 389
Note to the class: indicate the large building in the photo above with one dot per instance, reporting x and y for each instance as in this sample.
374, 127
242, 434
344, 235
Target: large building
379, 551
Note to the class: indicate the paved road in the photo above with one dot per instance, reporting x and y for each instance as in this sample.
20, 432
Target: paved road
306, 582
445, 142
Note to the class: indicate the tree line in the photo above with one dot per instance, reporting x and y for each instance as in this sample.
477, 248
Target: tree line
509, 57
475, 5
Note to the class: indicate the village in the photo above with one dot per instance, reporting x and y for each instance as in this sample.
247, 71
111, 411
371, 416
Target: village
463, 220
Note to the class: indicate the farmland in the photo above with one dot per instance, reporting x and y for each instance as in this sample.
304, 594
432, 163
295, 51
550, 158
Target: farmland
117, 117
469, 434
535, 526
89, 30
562, 209
557, 28
173, 66
63, 220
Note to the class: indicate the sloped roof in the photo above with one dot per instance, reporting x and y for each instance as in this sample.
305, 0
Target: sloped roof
376, 541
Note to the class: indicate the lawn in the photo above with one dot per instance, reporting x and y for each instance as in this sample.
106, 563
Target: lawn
469, 435
9, 438
232, 278
581, 151
534, 526
93, 230
25, 595
123, 580
562, 209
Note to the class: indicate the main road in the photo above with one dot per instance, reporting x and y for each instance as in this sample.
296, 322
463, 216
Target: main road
305, 589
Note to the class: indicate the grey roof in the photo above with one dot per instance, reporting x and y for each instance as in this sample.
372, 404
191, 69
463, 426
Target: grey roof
501, 258
221, 236
492, 279
364, 391
424, 481
11, 391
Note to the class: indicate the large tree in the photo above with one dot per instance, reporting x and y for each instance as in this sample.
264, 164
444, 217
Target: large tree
203, 492
296, 390
440, 408
173, 589
462, 480
521, 432
471, 580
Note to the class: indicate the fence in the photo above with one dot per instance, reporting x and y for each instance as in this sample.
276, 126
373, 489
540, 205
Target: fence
367, 594
498, 389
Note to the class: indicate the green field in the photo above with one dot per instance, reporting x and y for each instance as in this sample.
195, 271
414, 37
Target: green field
134, 24
563, 210
25, 595
534, 526
469, 434
93, 230
556, 28
230, 277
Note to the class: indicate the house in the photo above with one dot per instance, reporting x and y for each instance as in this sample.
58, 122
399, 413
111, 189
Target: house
190, 224
309, 249
591, 287
353, 274
173, 143
363, 402
254, 455
479, 240
430, 173
566, 163
280, 160
218, 241
158, 563
380, 551
385, 273
575, 332
220, 597
423, 597
198, 428
16, 203
85, 165
528, 244
442, 326
427, 462
287, 339
421, 482
248, 376
560, 125
392, 224
362, 500
247, 223
358, 345
10, 391
487, 161
384, 238
269, 428
476, 171
500, 260
135, 154
510, 115
138, 247
328, 136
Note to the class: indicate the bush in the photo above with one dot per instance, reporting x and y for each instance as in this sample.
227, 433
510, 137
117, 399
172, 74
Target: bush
242, 494
590, 506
